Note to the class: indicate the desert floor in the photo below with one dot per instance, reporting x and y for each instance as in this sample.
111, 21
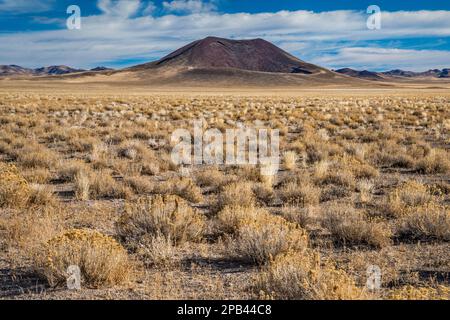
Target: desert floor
86, 179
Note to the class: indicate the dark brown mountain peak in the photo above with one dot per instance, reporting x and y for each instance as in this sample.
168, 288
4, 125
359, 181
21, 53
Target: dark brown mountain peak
251, 55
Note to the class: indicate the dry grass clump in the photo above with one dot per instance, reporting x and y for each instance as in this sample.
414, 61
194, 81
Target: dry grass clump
390, 154
100, 156
290, 159
157, 251
317, 151
39, 175
82, 185
349, 226
236, 194
102, 185
358, 167
408, 195
301, 216
230, 218
101, 259
420, 293
26, 229
14, 189
438, 161
321, 170
300, 194
264, 192
188, 190
134, 150
41, 195
428, 222
210, 177
36, 157
247, 172
265, 236
302, 276
140, 185
68, 170
150, 168
130, 151
365, 171
343, 178
169, 216
365, 188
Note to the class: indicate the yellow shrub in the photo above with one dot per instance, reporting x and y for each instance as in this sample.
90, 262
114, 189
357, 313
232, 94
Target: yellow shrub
14, 189
103, 185
101, 259
424, 293
302, 276
231, 217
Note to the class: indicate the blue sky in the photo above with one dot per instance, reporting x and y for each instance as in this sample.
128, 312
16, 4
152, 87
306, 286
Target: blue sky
414, 34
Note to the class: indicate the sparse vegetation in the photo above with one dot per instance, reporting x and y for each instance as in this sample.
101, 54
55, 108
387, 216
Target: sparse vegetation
87, 179
102, 261
304, 276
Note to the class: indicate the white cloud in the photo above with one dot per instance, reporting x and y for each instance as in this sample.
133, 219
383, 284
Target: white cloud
149, 8
119, 8
188, 6
124, 31
25, 6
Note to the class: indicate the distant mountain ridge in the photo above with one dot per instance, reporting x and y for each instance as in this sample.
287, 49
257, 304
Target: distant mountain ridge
14, 70
396, 73
360, 74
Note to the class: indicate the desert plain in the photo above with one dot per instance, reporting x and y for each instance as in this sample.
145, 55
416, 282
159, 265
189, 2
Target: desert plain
362, 194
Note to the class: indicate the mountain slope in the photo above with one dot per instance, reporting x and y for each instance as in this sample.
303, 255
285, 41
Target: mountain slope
13, 70
369, 75
396, 74
55, 70
445, 73
250, 55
